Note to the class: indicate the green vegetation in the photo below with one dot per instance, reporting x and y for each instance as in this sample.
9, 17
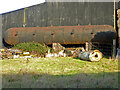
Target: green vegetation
60, 72
32, 47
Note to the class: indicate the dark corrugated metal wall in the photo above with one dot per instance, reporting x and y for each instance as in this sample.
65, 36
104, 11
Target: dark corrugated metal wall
61, 14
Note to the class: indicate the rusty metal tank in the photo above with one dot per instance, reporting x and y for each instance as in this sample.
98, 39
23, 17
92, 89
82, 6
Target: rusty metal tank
61, 34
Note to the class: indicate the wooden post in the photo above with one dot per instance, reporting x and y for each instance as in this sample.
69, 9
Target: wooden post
1, 32
114, 48
90, 46
114, 16
119, 37
86, 45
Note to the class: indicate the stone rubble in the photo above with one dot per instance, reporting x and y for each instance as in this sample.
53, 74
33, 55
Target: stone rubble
58, 51
16, 53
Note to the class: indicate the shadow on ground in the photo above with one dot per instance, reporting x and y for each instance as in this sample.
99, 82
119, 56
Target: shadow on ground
81, 80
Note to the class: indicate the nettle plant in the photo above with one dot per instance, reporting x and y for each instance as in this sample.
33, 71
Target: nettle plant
32, 47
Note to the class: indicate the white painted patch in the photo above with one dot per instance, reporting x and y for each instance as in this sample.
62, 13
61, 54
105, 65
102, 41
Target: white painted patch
26, 53
16, 56
28, 57
61, 53
64, 55
56, 55
49, 55
49, 51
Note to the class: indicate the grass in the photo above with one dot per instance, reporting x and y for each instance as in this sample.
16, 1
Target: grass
60, 72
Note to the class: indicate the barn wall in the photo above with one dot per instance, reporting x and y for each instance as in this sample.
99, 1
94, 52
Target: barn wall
61, 14
12, 19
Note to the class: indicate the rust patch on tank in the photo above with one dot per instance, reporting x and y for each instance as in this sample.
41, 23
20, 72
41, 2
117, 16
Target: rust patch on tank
61, 34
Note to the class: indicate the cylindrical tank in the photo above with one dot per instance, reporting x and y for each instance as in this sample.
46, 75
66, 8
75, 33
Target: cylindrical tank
94, 55
61, 34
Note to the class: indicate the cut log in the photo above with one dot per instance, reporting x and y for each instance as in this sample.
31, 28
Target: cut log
94, 55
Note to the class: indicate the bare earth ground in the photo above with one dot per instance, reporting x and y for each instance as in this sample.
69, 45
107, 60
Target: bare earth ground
61, 72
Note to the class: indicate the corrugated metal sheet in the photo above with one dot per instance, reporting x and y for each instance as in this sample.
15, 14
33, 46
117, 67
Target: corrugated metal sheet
61, 14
